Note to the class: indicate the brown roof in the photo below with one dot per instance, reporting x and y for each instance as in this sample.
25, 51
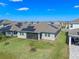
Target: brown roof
42, 27
76, 20
35, 27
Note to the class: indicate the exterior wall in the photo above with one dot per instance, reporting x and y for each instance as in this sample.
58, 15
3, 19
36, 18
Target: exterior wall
52, 37
74, 26
10, 34
22, 36
39, 36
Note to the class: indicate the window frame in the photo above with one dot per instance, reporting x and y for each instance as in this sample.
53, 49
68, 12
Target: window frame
47, 34
14, 32
71, 25
21, 33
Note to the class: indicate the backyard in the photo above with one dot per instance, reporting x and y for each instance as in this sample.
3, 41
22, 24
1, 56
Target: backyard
14, 48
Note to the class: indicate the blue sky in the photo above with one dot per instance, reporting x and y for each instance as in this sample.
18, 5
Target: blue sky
39, 10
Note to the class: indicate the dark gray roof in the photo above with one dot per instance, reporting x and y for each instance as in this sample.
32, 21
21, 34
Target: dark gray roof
74, 32
10, 27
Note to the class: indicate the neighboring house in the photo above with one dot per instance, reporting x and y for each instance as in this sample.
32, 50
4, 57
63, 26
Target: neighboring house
74, 33
10, 29
74, 24
65, 25
39, 30
3, 25
74, 43
74, 37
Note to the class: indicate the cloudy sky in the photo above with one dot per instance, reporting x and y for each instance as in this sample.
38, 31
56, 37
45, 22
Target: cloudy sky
39, 10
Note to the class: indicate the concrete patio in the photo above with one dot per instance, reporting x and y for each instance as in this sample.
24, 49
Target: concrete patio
74, 52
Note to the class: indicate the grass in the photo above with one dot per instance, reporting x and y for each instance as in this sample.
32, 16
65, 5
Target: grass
20, 48
61, 48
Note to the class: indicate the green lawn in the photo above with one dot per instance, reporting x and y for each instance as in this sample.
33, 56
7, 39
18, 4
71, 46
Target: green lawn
21, 49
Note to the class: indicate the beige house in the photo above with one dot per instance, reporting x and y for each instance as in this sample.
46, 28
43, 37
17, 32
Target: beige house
42, 30
73, 36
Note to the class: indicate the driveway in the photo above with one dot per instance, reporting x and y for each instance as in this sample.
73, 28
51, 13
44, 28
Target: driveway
74, 52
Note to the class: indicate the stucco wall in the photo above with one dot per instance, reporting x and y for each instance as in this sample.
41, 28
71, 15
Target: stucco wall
21, 36
52, 37
74, 26
10, 34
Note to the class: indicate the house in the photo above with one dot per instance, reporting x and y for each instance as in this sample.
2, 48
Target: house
74, 24
74, 43
36, 30
74, 32
9, 30
65, 25
73, 36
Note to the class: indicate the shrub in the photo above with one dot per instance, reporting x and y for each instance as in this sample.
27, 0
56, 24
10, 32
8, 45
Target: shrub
2, 37
6, 43
33, 49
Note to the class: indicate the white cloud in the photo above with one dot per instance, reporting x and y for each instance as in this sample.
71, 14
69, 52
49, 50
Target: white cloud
3, 4
23, 9
16, 0
76, 6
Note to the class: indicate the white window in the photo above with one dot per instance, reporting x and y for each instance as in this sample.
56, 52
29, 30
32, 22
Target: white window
15, 32
21, 33
47, 34
9, 32
71, 25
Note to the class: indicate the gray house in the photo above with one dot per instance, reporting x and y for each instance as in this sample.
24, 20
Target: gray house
41, 30
74, 32
74, 43
74, 37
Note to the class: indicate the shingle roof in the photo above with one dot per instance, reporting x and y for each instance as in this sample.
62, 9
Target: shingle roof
36, 27
76, 21
42, 27
10, 27
74, 32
